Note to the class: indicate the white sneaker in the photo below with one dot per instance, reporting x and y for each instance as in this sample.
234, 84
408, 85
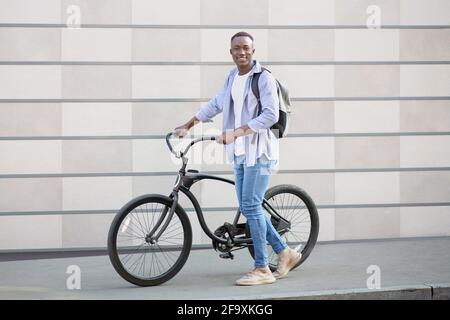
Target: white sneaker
257, 276
287, 259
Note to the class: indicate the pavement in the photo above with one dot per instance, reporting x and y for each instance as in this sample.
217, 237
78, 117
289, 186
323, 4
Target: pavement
417, 268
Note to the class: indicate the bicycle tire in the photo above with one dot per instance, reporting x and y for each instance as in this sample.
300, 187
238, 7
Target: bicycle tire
128, 209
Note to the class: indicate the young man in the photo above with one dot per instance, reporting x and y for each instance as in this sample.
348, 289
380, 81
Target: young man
253, 149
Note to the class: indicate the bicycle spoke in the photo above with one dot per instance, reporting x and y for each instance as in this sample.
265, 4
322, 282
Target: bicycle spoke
131, 257
124, 248
135, 264
140, 266
137, 226
171, 229
301, 240
129, 236
144, 223
174, 235
307, 217
166, 256
158, 263
294, 208
289, 214
133, 229
143, 269
300, 213
166, 241
153, 263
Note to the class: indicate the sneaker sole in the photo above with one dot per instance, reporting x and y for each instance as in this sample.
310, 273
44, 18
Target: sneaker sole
255, 284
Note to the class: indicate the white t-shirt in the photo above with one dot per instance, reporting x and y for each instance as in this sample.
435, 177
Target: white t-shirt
237, 94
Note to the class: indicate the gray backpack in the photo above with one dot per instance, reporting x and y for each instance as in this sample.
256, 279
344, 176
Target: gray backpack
280, 128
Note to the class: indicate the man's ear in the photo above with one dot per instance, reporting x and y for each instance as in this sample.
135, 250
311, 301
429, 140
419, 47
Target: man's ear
230, 52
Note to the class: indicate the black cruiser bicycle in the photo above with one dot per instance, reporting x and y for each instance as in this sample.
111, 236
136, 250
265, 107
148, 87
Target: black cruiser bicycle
150, 237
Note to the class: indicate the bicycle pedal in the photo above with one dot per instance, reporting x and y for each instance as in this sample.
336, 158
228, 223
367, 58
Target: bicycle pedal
227, 255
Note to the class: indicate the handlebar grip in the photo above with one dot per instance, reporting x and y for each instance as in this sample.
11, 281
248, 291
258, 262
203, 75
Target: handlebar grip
168, 141
212, 138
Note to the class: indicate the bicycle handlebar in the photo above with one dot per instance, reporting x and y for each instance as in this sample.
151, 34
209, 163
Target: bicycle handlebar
181, 154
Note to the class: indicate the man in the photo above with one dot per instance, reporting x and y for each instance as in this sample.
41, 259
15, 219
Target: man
253, 149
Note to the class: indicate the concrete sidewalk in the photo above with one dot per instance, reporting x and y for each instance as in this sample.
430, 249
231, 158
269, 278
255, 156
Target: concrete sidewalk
409, 269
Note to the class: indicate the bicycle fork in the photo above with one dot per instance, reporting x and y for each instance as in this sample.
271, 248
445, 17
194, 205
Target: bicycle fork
154, 239
174, 196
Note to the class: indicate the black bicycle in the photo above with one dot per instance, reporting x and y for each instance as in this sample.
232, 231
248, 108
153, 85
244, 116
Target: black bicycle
150, 237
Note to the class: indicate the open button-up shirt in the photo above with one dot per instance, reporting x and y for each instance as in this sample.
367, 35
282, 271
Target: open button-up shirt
261, 141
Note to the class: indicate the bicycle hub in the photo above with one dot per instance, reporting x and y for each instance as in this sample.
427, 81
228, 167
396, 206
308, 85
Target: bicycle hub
150, 240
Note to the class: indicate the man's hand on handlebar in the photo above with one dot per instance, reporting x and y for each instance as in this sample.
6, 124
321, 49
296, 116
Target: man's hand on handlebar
226, 137
181, 131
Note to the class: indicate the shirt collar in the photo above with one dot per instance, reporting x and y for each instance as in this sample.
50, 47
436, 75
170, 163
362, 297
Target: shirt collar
257, 68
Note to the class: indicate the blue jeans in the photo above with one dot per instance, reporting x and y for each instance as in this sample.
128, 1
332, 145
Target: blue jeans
251, 185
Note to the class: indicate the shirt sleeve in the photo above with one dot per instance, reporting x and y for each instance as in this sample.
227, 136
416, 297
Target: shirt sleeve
269, 103
214, 106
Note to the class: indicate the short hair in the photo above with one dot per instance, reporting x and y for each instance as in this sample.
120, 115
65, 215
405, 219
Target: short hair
242, 34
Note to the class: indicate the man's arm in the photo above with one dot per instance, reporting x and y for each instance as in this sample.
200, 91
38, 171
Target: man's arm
206, 113
269, 103
215, 105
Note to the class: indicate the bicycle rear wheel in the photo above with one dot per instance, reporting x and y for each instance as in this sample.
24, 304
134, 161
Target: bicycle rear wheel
134, 256
296, 206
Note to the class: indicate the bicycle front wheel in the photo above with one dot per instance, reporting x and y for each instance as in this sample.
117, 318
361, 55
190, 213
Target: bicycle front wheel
137, 258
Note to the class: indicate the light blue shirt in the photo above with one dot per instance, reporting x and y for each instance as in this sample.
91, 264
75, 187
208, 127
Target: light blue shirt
262, 141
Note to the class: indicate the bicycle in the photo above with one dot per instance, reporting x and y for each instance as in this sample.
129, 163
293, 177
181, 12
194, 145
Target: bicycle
150, 238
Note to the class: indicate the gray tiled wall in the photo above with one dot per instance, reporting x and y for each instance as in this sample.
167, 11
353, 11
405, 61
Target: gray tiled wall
371, 117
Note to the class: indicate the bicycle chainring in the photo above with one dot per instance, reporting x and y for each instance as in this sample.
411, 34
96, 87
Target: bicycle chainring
227, 231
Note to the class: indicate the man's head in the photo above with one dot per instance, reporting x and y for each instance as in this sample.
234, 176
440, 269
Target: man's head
242, 49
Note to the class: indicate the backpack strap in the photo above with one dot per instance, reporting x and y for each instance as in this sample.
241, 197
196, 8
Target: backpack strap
255, 87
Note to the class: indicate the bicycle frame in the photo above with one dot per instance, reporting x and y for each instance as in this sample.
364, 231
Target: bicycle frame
184, 181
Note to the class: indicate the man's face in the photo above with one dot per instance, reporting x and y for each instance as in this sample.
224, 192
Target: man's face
242, 51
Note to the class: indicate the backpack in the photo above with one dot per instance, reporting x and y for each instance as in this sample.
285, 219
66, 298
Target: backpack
281, 127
